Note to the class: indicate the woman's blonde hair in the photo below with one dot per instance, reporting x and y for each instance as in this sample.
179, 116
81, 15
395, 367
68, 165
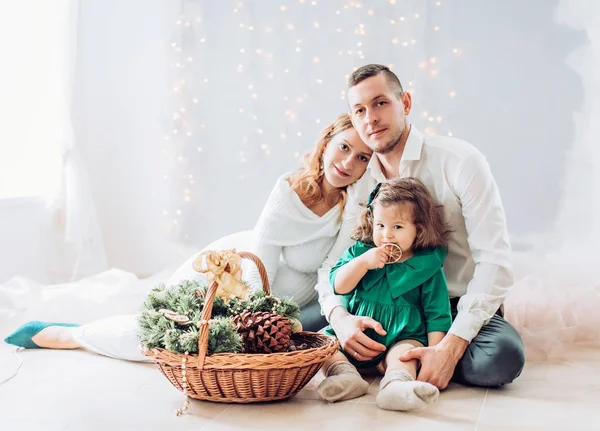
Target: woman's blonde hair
428, 216
307, 181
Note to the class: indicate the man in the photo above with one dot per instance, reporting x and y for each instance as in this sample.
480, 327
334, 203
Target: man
481, 348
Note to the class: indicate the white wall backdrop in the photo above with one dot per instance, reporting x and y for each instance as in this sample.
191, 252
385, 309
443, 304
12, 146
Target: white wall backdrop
122, 98
185, 112
253, 83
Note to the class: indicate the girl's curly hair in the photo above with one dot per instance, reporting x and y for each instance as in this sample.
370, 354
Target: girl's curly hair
428, 216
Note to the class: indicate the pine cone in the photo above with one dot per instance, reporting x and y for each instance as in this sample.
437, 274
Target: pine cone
263, 332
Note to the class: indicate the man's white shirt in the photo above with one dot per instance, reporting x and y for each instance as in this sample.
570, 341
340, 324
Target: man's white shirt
478, 267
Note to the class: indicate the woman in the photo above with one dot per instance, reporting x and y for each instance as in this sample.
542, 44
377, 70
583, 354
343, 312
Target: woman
293, 235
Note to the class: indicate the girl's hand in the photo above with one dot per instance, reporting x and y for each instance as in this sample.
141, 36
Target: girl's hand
375, 258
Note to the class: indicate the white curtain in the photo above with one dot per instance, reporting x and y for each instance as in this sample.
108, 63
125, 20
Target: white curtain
79, 236
31, 110
40, 155
580, 211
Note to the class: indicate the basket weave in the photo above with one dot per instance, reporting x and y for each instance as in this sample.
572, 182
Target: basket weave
243, 378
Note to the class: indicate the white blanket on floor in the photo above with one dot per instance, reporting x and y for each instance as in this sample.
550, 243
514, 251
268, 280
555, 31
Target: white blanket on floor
110, 293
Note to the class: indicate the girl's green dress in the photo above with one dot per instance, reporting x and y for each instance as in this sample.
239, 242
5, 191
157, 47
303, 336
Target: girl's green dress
408, 298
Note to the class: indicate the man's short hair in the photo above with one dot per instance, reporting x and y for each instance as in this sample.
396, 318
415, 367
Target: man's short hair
370, 70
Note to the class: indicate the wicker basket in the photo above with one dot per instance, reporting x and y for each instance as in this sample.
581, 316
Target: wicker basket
243, 378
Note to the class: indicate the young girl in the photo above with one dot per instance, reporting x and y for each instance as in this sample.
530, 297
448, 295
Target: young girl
393, 274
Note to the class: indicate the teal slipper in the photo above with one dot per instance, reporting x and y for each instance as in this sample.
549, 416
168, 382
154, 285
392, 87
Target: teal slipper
22, 336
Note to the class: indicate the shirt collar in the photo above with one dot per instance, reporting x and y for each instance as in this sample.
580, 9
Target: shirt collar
412, 151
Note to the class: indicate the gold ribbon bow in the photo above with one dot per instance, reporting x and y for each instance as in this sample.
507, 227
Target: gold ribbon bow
224, 267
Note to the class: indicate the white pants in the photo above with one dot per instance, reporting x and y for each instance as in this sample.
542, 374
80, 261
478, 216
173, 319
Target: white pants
117, 336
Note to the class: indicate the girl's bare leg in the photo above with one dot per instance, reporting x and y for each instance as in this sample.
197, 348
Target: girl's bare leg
399, 389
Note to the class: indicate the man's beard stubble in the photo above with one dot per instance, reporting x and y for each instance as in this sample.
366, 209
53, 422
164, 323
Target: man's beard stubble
389, 146
393, 142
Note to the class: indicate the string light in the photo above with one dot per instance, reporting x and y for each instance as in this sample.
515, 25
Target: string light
295, 106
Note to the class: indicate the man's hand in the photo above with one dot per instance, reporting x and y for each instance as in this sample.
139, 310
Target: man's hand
349, 331
438, 362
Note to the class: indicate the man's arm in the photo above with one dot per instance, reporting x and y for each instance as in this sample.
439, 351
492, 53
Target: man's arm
349, 329
328, 300
492, 278
485, 222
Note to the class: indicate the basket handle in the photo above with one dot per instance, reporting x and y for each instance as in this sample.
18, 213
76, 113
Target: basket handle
208, 305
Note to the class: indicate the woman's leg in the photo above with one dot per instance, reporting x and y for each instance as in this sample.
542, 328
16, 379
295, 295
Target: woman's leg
311, 317
56, 337
399, 389
115, 337
342, 380
48, 335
